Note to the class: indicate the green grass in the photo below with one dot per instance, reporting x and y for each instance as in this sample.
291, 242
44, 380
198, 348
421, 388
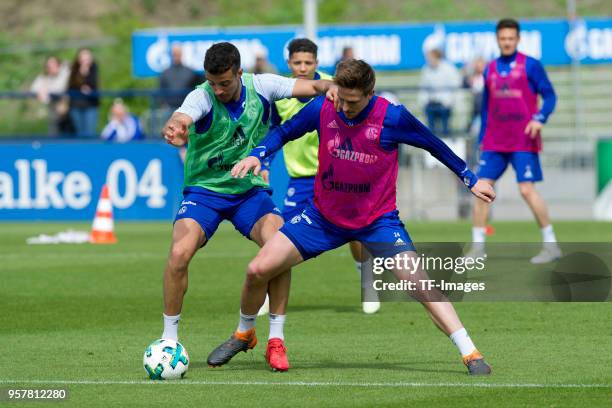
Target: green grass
86, 313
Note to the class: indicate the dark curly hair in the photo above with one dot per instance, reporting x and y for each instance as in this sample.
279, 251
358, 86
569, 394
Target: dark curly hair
221, 57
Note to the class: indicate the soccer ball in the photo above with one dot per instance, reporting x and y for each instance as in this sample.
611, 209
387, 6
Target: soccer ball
165, 359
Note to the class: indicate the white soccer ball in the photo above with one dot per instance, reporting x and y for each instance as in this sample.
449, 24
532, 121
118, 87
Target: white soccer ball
165, 359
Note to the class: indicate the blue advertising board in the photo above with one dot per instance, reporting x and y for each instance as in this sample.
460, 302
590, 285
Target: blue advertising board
385, 46
62, 181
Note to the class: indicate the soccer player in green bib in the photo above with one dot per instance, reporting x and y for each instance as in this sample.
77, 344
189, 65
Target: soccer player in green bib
222, 120
301, 154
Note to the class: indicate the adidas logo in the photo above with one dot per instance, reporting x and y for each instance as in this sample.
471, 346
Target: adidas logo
332, 125
399, 242
304, 216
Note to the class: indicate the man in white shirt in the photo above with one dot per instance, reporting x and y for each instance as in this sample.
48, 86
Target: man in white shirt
439, 83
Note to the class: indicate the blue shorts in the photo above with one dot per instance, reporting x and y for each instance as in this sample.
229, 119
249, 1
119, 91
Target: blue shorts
208, 208
526, 165
312, 234
299, 192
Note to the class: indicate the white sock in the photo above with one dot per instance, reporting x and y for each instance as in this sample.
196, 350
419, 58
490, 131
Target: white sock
478, 234
277, 323
548, 235
462, 340
171, 327
247, 322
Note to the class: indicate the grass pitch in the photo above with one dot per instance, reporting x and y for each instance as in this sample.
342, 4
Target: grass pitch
80, 316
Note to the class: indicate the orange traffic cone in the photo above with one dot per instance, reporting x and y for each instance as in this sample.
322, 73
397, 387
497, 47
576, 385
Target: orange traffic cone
103, 226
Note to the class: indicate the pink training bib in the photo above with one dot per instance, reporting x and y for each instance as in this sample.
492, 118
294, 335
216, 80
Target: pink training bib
356, 180
511, 106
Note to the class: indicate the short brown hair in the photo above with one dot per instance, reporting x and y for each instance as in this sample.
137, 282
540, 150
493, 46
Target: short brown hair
508, 23
355, 74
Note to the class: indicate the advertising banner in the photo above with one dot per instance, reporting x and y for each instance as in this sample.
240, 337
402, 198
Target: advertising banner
56, 181
386, 46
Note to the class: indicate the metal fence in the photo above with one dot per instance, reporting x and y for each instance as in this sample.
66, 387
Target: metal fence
428, 191
583, 115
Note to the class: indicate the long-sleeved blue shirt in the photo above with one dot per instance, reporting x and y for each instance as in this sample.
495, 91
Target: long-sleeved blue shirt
399, 126
538, 83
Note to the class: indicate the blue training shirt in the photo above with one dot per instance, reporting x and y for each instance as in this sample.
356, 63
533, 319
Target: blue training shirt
538, 83
399, 126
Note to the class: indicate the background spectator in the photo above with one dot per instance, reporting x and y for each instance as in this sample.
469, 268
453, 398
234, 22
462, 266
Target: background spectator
439, 82
177, 81
123, 126
347, 53
83, 88
391, 97
474, 81
47, 86
262, 65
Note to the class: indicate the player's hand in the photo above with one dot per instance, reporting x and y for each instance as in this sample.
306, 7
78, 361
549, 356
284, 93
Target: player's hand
175, 133
245, 165
484, 191
533, 128
265, 175
332, 95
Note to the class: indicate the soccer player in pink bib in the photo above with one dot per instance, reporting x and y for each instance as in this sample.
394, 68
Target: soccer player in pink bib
354, 195
510, 133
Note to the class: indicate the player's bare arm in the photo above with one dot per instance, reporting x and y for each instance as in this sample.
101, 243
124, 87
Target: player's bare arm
533, 128
176, 130
484, 191
310, 88
242, 168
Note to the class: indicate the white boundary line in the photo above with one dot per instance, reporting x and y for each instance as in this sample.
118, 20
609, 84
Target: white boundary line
308, 384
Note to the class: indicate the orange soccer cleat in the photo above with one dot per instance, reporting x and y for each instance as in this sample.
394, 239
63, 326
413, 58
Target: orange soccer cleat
476, 364
239, 341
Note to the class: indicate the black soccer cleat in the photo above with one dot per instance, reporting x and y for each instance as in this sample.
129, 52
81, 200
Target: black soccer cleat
228, 349
476, 364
